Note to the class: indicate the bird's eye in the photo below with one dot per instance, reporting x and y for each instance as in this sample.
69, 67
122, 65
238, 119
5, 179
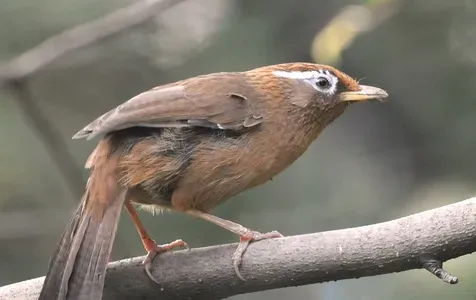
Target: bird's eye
323, 83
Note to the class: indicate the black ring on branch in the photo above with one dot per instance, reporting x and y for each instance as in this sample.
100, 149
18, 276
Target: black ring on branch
435, 267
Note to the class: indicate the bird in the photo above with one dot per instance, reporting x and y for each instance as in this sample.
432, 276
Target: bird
187, 147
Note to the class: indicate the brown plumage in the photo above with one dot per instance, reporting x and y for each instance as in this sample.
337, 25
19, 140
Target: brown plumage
188, 146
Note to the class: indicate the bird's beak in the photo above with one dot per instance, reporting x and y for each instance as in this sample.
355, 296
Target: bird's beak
366, 93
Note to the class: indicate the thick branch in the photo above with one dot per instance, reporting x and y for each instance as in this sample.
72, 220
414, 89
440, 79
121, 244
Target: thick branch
207, 273
53, 48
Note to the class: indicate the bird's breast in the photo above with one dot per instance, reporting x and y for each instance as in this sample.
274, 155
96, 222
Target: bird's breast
221, 168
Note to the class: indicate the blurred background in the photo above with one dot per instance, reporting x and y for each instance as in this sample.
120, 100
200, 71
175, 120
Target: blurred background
375, 163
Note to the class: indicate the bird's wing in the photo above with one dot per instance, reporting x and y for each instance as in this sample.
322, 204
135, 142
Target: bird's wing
222, 101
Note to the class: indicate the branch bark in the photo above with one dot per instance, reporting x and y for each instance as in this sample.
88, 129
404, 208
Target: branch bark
423, 240
80, 36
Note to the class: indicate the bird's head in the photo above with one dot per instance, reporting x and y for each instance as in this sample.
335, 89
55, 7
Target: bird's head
323, 86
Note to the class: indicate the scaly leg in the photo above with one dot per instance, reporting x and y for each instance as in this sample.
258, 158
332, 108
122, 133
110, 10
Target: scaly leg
246, 235
152, 248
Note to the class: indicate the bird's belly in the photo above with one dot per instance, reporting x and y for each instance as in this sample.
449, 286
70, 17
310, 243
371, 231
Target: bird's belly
216, 175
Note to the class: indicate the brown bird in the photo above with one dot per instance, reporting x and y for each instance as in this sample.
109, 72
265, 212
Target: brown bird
189, 146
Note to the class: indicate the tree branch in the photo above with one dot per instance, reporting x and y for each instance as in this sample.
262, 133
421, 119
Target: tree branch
50, 137
15, 72
82, 35
422, 240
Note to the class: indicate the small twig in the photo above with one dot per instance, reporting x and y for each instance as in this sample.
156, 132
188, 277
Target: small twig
50, 137
16, 71
55, 47
435, 267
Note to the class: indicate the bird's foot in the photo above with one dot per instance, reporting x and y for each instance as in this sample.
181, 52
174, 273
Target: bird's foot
245, 240
153, 249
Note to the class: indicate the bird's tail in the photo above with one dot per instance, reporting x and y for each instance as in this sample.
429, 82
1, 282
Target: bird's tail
78, 266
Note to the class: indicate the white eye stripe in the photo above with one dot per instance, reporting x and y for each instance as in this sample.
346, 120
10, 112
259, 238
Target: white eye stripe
298, 75
310, 77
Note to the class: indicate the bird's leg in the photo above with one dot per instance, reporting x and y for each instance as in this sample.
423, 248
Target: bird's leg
152, 248
246, 235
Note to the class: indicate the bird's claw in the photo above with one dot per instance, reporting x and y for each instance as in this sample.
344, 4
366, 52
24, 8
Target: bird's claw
155, 250
245, 240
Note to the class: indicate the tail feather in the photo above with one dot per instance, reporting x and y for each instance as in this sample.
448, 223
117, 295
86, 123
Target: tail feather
78, 266
56, 270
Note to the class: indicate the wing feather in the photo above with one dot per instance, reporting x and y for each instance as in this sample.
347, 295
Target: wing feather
219, 100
